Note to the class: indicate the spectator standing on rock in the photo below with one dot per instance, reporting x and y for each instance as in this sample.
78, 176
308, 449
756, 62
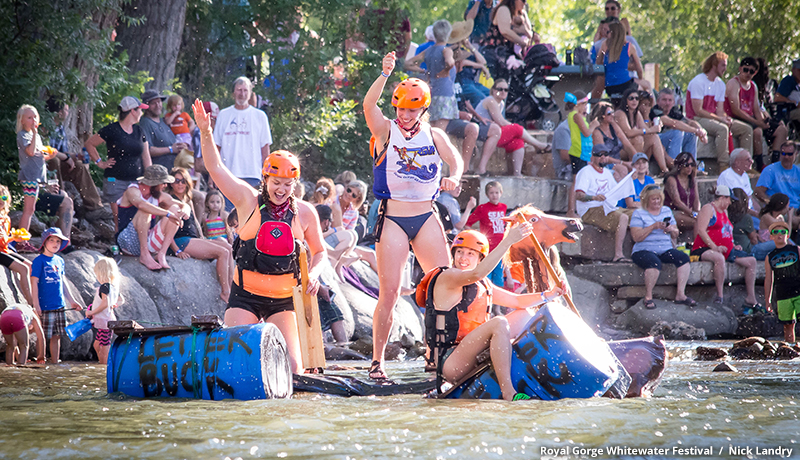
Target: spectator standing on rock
714, 243
653, 229
243, 137
128, 151
781, 289
137, 207
164, 147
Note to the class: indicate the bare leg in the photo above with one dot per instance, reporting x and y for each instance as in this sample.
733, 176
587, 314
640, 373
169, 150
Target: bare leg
55, 349
517, 156
571, 212
168, 228
780, 137
287, 324
337, 329
468, 146
65, 213
530, 140
28, 206
758, 142
206, 250
24, 270
653, 147
9, 338
718, 260
141, 222
23, 338
392, 252
489, 146
619, 237
115, 212
683, 278
368, 256
749, 264
788, 333
650, 278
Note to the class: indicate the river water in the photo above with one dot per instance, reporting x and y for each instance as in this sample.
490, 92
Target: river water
64, 412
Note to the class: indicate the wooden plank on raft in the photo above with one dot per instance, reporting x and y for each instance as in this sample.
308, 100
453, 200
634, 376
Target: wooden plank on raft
309, 325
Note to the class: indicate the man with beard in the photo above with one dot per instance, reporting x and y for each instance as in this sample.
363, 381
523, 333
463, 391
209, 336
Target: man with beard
141, 234
163, 145
243, 136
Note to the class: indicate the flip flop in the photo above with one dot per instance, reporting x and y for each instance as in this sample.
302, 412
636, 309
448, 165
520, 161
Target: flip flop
621, 260
688, 301
649, 304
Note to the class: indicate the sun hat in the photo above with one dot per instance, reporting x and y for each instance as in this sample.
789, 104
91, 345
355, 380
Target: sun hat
461, 31
778, 224
155, 175
54, 231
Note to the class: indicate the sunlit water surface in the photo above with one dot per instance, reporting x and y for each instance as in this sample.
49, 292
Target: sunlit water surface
65, 412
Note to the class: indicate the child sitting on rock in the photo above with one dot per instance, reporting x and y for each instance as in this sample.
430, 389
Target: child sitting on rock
106, 299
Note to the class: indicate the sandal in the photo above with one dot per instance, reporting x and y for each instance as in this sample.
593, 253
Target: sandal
688, 301
650, 304
621, 260
376, 372
718, 300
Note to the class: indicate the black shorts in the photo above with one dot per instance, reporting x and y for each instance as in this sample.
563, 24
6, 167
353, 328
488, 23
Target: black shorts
262, 307
577, 164
49, 203
616, 91
7, 258
649, 259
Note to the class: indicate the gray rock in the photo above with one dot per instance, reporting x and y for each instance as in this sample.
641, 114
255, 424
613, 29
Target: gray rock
677, 331
714, 319
330, 279
725, 367
36, 227
591, 300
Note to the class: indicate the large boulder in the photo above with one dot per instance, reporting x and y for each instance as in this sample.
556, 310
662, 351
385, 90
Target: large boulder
189, 287
329, 278
592, 301
714, 319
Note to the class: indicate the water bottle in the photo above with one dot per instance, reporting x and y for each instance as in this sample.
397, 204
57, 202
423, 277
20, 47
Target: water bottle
85, 156
701, 167
656, 121
569, 57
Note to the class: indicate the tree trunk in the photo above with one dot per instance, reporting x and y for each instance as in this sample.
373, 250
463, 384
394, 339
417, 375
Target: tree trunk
153, 45
78, 126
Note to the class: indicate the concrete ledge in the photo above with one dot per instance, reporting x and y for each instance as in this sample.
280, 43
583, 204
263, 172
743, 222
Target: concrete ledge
595, 244
619, 275
549, 195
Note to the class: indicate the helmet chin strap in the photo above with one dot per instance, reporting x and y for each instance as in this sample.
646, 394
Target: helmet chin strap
410, 132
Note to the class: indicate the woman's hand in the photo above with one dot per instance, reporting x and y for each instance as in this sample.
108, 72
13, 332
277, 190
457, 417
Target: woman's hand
105, 164
720, 249
201, 118
313, 283
552, 293
182, 255
388, 63
449, 183
519, 232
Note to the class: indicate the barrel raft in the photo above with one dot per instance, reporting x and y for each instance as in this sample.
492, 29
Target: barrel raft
243, 362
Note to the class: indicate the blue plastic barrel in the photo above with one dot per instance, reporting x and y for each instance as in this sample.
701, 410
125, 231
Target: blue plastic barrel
558, 356
78, 328
243, 362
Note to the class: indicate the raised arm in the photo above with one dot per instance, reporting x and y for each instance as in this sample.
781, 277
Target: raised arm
503, 20
241, 194
378, 125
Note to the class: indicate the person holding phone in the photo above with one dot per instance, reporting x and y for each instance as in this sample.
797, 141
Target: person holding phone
654, 229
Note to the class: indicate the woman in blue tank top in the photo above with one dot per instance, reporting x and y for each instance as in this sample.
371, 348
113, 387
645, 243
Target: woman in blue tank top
617, 54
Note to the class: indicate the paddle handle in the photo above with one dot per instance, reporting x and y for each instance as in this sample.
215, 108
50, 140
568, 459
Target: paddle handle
550, 270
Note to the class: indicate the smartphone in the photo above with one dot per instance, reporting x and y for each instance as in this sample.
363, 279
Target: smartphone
667, 220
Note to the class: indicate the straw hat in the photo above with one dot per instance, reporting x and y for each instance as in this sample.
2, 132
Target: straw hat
461, 31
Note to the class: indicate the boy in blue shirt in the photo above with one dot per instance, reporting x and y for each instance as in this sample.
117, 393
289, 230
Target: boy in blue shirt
49, 290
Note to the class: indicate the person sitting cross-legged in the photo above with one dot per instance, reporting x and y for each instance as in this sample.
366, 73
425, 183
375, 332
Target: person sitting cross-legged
138, 205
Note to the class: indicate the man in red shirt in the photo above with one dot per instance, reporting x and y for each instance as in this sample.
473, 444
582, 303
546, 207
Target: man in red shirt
490, 217
742, 104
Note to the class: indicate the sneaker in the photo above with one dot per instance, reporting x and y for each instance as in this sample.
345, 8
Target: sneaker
24, 246
520, 397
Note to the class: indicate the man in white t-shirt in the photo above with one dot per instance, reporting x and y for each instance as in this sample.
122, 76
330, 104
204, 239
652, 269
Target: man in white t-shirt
736, 177
243, 136
591, 184
706, 96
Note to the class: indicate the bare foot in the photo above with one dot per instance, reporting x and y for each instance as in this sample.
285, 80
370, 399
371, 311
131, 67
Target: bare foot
147, 260
162, 260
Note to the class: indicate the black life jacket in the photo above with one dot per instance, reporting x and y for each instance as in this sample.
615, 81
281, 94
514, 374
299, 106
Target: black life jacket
273, 251
441, 340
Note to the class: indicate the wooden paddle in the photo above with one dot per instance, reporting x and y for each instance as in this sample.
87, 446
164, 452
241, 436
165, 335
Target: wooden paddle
550, 270
309, 327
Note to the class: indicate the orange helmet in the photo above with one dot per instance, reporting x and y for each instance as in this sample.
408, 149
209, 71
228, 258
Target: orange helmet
281, 163
412, 93
472, 239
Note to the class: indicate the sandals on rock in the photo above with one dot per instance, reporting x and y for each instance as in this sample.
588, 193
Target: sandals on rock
376, 372
688, 301
650, 304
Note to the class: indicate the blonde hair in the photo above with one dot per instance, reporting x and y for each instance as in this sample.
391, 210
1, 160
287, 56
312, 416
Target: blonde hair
648, 191
323, 191
189, 182
4, 191
24, 108
362, 189
172, 100
713, 60
106, 271
345, 177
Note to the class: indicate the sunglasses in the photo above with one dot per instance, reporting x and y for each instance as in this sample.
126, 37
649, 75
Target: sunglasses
779, 231
688, 165
600, 154
787, 154
501, 90
633, 98
749, 70
611, 8
180, 181
353, 194
4, 197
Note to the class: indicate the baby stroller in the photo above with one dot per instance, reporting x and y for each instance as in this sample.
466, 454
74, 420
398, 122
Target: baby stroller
530, 97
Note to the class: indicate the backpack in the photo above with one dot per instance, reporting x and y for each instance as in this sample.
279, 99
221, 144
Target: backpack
540, 55
580, 56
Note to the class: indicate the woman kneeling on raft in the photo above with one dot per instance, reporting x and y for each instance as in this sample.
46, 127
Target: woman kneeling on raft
458, 301
273, 225
407, 160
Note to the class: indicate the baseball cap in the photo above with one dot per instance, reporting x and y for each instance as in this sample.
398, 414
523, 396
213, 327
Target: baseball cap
129, 103
151, 94
796, 64
54, 231
639, 156
724, 190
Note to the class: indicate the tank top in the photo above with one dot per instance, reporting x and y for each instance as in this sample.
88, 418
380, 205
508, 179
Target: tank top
408, 169
686, 196
617, 71
747, 99
720, 230
785, 271
613, 143
484, 112
215, 228
434, 61
580, 145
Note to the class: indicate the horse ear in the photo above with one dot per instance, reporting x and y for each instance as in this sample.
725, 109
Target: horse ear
509, 219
